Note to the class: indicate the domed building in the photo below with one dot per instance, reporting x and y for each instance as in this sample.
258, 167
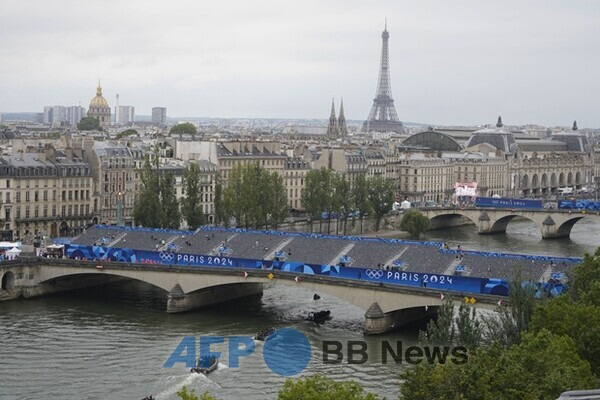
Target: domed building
99, 108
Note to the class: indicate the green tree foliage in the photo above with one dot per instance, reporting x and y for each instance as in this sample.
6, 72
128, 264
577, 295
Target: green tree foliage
414, 222
463, 328
221, 216
542, 366
585, 286
381, 197
319, 387
184, 394
508, 323
156, 204
344, 202
128, 132
360, 197
312, 195
191, 207
579, 321
254, 196
89, 124
169, 203
182, 129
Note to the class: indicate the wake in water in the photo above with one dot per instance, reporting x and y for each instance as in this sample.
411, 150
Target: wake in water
198, 382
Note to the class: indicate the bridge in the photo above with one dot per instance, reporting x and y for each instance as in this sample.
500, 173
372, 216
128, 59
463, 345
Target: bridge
553, 224
387, 306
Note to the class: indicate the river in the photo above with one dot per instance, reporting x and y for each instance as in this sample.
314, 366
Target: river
112, 342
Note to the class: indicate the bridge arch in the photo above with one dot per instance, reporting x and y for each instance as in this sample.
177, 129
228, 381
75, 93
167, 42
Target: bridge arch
500, 224
449, 219
564, 230
8, 280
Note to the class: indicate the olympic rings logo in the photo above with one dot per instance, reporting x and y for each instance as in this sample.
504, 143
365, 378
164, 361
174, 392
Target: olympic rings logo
374, 273
166, 257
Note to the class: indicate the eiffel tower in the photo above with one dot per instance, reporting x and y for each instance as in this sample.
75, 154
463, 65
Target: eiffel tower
383, 117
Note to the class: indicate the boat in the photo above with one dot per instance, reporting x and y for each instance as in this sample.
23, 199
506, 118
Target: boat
264, 334
205, 365
319, 317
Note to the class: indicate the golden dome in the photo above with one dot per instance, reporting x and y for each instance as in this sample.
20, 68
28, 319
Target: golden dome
98, 101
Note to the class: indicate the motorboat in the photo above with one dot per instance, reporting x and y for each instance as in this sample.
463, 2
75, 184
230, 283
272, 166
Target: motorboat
205, 365
319, 317
264, 334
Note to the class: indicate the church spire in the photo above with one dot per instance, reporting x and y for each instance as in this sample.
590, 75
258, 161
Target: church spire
99, 89
499, 123
343, 129
574, 126
332, 128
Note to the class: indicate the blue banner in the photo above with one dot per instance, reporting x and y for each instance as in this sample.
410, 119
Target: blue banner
507, 203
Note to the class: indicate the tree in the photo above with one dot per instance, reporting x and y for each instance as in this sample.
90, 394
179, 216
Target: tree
278, 203
147, 209
191, 395
440, 330
343, 199
169, 203
542, 366
508, 323
579, 321
319, 387
414, 222
311, 195
182, 129
89, 124
381, 197
221, 215
360, 197
191, 207
585, 287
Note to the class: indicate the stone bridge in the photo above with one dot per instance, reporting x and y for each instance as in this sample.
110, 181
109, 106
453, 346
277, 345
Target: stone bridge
386, 306
553, 224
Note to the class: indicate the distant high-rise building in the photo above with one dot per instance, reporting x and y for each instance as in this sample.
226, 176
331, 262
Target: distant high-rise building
159, 115
74, 114
99, 108
125, 115
47, 115
59, 115
383, 117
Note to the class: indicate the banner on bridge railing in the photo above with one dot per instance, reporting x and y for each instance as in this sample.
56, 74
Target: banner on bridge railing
384, 276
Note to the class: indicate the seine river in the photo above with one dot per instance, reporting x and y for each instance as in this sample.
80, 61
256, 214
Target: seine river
102, 344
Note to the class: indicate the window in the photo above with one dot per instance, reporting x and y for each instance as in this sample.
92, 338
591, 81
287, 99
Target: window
45, 210
18, 198
18, 212
36, 212
27, 196
8, 183
54, 210
36, 196
27, 212
63, 211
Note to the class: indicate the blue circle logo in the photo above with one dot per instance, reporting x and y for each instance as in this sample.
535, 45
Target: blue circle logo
287, 352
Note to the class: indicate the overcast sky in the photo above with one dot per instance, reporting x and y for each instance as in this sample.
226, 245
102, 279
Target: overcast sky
452, 62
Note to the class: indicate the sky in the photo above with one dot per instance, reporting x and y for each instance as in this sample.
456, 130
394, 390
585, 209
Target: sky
457, 62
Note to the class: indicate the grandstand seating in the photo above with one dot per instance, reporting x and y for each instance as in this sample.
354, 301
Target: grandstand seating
93, 236
253, 245
202, 242
313, 251
371, 254
424, 257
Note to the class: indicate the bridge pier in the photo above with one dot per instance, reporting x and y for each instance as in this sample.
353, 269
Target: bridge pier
376, 321
178, 301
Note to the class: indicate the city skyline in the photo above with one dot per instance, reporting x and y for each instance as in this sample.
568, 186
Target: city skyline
457, 64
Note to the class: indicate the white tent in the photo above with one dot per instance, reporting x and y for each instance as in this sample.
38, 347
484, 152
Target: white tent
405, 205
12, 253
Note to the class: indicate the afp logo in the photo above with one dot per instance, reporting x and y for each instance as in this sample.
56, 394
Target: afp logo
286, 352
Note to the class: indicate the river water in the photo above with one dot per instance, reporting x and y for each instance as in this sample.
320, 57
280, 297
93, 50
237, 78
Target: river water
112, 342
